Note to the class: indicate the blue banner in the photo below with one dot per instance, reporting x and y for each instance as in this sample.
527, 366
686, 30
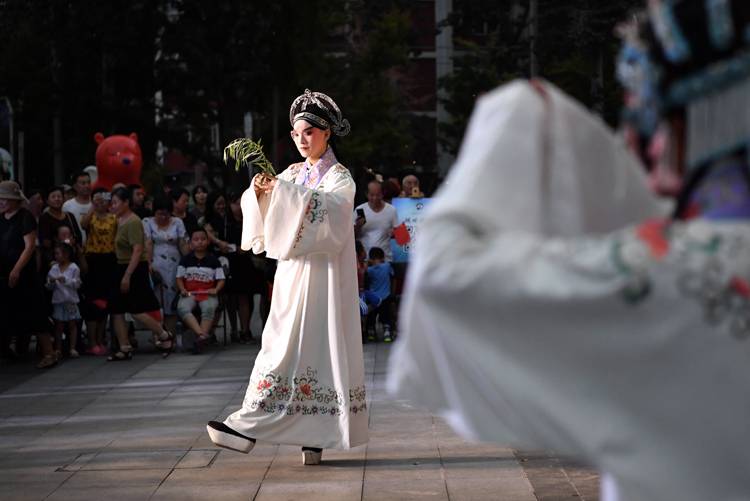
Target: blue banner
410, 213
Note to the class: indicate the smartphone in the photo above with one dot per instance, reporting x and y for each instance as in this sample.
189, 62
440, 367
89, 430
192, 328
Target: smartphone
361, 213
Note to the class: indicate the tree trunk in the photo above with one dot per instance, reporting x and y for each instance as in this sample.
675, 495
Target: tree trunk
57, 155
533, 28
275, 126
597, 84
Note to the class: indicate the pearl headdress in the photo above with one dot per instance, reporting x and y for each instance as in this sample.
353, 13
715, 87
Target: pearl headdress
320, 110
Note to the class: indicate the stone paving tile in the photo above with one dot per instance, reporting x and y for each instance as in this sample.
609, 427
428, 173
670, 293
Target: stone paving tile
287, 468
198, 485
79, 462
585, 479
132, 460
556, 479
24, 462
194, 459
399, 489
261, 456
31, 484
315, 490
484, 472
110, 485
16, 373
496, 489
93, 430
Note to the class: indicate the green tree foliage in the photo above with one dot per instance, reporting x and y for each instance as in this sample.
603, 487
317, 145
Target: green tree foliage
100, 67
221, 59
575, 49
83, 62
365, 82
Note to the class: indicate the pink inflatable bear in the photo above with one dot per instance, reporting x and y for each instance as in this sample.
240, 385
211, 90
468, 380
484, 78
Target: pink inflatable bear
118, 160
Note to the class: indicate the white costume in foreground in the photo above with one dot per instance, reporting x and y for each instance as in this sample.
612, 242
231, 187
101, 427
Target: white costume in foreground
534, 316
307, 385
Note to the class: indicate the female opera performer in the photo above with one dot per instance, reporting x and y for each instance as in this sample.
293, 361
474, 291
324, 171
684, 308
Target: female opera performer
307, 385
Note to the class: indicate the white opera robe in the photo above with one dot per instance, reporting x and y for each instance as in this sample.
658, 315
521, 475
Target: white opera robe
307, 384
627, 347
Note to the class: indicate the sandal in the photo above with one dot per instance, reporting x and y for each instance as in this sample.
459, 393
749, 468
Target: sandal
47, 362
120, 356
200, 343
166, 343
246, 337
125, 353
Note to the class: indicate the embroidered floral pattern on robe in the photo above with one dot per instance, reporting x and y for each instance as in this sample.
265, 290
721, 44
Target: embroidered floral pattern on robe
304, 395
701, 276
315, 213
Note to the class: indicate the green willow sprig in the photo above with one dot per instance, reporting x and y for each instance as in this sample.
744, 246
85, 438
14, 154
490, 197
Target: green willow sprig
245, 151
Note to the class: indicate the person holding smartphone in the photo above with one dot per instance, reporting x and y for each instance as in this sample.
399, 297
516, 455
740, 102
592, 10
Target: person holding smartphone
374, 220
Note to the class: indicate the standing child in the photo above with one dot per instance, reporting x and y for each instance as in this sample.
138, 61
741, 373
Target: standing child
379, 277
64, 279
66, 236
200, 278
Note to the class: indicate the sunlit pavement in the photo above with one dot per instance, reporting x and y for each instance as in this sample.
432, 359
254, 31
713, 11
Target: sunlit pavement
93, 430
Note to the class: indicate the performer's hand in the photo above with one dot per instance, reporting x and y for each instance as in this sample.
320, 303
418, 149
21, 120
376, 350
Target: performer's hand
125, 284
266, 183
263, 183
257, 184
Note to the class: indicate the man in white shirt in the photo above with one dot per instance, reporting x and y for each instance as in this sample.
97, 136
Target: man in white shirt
80, 205
374, 221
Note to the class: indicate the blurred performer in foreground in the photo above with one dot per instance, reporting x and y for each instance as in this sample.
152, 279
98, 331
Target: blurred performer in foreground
307, 385
541, 312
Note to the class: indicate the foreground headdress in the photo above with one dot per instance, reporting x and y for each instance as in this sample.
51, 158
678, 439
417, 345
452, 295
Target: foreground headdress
691, 55
320, 110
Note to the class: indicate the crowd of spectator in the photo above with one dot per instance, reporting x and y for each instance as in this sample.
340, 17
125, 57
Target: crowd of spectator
77, 264
81, 269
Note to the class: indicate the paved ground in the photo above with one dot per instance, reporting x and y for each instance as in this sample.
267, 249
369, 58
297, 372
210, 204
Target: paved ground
136, 430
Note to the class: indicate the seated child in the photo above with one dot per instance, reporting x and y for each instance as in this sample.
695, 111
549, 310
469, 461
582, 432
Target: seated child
367, 300
200, 278
379, 277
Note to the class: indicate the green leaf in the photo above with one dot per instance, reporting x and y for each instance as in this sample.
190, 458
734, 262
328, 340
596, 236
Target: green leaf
246, 152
